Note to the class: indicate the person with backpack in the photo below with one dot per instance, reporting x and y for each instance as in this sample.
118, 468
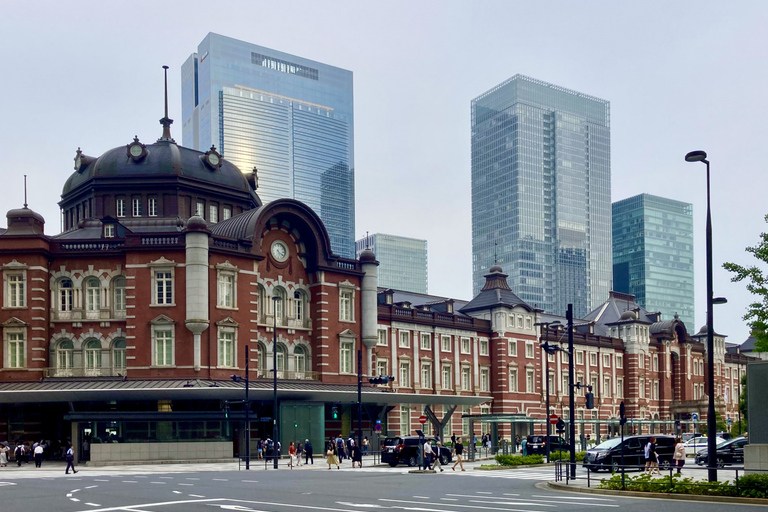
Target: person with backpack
18, 454
70, 458
308, 455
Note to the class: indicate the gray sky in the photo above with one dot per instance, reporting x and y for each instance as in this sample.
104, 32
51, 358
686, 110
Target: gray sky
679, 75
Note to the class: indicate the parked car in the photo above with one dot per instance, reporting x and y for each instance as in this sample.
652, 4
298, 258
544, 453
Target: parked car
536, 444
405, 450
730, 452
690, 435
607, 455
695, 444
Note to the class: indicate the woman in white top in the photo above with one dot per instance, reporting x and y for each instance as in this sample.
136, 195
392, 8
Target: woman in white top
679, 456
4, 455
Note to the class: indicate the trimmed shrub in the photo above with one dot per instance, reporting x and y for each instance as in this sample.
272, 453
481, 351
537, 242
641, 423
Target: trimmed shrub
566, 456
519, 460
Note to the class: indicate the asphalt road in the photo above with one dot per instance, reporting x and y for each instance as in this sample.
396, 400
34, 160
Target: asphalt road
310, 490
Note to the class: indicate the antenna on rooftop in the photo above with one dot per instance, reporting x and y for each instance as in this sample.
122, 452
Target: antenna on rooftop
25, 191
165, 121
495, 251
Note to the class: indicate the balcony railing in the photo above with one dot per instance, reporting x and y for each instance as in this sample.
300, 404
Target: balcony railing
86, 372
289, 375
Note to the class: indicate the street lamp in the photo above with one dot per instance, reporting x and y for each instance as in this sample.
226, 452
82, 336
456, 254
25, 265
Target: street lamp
237, 378
275, 300
701, 156
549, 349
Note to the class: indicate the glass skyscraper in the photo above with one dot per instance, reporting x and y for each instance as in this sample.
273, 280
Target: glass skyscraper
541, 193
289, 117
402, 261
653, 254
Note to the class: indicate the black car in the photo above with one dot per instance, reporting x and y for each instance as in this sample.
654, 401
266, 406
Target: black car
607, 455
405, 450
731, 452
536, 444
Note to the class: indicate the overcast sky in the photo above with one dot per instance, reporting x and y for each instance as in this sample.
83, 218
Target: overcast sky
679, 75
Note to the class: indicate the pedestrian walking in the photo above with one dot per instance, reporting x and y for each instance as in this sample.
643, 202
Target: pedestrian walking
679, 456
291, 454
428, 455
458, 450
357, 455
366, 445
308, 456
18, 454
453, 439
39, 455
332, 454
299, 451
652, 459
340, 448
260, 449
517, 443
524, 446
4, 451
70, 458
437, 461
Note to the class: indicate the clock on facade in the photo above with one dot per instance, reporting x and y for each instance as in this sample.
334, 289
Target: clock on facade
136, 150
212, 158
279, 250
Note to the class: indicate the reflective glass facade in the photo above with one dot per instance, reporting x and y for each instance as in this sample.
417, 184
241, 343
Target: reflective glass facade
541, 193
290, 117
402, 261
653, 254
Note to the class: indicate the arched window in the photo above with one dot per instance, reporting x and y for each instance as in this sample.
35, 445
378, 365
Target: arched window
262, 304
300, 361
64, 356
92, 296
66, 295
301, 308
280, 357
261, 354
92, 351
118, 356
118, 289
279, 305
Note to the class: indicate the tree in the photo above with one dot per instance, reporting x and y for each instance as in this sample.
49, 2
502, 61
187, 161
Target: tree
742, 406
757, 312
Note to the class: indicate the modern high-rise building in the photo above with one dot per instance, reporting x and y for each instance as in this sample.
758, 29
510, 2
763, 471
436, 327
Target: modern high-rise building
653, 254
541, 193
289, 117
402, 261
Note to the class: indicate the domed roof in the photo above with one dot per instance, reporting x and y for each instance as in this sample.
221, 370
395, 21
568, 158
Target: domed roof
367, 256
629, 315
164, 158
495, 269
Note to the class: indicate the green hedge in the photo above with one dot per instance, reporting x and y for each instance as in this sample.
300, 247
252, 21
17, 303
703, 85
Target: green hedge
566, 456
749, 486
519, 460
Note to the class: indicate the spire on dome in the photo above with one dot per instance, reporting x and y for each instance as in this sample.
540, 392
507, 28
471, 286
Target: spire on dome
166, 121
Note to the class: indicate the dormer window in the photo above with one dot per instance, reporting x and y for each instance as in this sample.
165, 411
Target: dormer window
109, 231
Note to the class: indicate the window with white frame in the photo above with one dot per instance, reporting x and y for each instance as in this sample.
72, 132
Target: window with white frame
226, 213
485, 409
607, 360
655, 362
551, 384
655, 389
466, 378
695, 391
152, 207
513, 380
483, 347
300, 360
405, 374
16, 348
405, 421
529, 349
579, 357
619, 387
519, 321
426, 374
213, 213
641, 384
226, 347
345, 357
619, 361
66, 294
551, 357
15, 289
109, 231
593, 358
92, 294
465, 423
64, 352
92, 352
163, 287
200, 209
382, 339
162, 340
513, 348
120, 207
136, 207
346, 313
445, 343
565, 389
695, 367
593, 381
300, 306
606, 386
530, 381
485, 379
465, 345
426, 341
226, 289
382, 366
528, 323
447, 377
641, 360
405, 339
118, 354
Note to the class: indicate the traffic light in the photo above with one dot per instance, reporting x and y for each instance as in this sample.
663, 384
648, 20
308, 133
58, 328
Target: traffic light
381, 379
560, 425
622, 414
226, 409
590, 398
335, 412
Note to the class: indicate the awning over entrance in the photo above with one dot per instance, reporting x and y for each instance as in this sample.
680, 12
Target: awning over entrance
77, 390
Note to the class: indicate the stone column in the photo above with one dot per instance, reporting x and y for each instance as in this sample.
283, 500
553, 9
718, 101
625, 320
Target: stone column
197, 282
369, 317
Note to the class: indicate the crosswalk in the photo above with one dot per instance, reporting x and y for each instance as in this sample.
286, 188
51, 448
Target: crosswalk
537, 474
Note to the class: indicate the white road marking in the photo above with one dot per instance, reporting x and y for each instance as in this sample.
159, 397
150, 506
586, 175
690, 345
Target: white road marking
450, 499
422, 497
571, 497
359, 505
193, 479
189, 485
484, 492
220, 480
69, 495
516, 503
93, 504
130, 481
511, 494
166, 477
196, 496
97, 480
137, 508
474, 507
74, 499
256, 481
91, 486
159, 483
2, 484
176, 492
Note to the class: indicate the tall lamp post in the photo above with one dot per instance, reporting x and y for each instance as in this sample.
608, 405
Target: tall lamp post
275, 300
701, 156
571, 387
548, 349
247, 403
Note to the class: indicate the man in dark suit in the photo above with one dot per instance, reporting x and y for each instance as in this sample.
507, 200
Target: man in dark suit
308, 452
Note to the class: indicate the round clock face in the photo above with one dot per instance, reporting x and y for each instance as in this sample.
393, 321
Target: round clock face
279, 251
136, 150
213, 159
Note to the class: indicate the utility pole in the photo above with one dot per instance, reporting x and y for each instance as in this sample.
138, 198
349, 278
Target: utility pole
572, 415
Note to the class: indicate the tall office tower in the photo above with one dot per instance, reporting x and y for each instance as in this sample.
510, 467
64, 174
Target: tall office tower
653, 254
402, 261
541, 193
289, 117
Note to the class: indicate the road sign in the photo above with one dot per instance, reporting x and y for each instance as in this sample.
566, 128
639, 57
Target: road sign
378, 427
553, 419
730, 421
694, 416
378, 422
422, 419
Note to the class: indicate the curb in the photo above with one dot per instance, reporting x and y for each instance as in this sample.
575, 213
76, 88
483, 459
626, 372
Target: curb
659, 495
521, 466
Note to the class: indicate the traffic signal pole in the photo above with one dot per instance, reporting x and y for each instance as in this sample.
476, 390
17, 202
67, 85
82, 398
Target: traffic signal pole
571, 415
